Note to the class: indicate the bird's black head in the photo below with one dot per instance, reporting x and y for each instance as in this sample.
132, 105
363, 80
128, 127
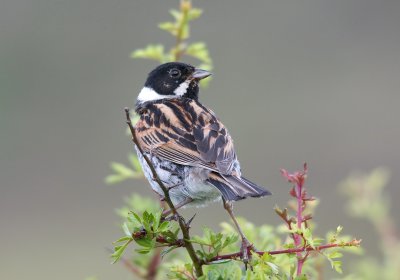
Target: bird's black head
173, 79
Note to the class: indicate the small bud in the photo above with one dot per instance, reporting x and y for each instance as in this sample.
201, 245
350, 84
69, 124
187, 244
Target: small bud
186, 5
297, 177
293, 192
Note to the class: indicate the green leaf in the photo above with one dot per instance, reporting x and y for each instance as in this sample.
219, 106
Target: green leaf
143, 250
318, 241
176, 14
114, 179
335, 255
274, 267
147, 221
163, 226
199, 240
122, 239
121, 169
136, 216
337, 265
146, 242
118, 251
155, 52
170, 236
220, 271
133, 159
194, 13
156, 220
169, 27
229, 240
126, 230
199, 50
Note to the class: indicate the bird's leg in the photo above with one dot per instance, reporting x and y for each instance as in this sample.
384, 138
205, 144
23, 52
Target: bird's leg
179, 205
246, 245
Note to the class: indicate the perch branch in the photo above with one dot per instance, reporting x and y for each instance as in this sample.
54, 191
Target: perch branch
354, 243
197, 264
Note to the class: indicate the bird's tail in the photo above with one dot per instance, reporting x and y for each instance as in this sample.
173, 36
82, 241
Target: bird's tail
236, 188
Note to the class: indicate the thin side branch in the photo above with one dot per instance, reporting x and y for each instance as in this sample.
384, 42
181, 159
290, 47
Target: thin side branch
354, 243
182, 223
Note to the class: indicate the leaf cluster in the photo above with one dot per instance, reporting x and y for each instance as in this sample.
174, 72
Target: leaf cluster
212, 243
149, 231
122, 172
179, 28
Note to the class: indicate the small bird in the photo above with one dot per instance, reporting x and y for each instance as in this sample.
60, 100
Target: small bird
189, 148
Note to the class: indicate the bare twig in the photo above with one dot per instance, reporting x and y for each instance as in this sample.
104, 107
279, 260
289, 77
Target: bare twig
197, 263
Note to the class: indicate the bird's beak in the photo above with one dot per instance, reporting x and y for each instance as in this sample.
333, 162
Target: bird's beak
200, 74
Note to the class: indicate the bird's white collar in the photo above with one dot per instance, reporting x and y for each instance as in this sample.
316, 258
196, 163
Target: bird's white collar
149, 94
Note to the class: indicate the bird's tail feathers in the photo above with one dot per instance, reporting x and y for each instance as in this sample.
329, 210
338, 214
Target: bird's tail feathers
236, 188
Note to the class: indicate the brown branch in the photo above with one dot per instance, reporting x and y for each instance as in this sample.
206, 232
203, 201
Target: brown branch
182, 223
353, 243
153, 265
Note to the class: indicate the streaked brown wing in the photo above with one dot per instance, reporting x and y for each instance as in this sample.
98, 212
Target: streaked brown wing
185, 132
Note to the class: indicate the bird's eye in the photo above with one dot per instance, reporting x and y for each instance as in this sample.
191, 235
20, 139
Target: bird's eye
175, 73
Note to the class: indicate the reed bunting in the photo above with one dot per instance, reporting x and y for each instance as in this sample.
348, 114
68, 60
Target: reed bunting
188, 146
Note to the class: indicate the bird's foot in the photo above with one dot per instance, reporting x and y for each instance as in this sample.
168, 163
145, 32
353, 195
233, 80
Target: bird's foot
245, 251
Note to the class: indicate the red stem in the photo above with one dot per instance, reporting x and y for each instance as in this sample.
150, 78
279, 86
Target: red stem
289, 251
297, 237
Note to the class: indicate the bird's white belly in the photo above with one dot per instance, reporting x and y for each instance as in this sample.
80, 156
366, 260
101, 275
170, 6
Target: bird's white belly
184, 181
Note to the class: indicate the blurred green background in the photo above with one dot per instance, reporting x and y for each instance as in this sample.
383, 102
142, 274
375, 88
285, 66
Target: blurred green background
294, 81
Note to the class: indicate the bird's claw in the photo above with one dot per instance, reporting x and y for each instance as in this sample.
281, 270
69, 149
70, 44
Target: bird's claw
245, 250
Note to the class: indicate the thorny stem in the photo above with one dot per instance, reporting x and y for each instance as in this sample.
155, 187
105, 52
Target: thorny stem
298, 179
307, 249
197, 264
297, 237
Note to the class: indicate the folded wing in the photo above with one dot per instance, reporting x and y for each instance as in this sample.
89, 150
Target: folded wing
185, 132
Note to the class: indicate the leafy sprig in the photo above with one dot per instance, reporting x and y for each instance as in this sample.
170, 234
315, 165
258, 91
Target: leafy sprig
150, 231
179, 28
